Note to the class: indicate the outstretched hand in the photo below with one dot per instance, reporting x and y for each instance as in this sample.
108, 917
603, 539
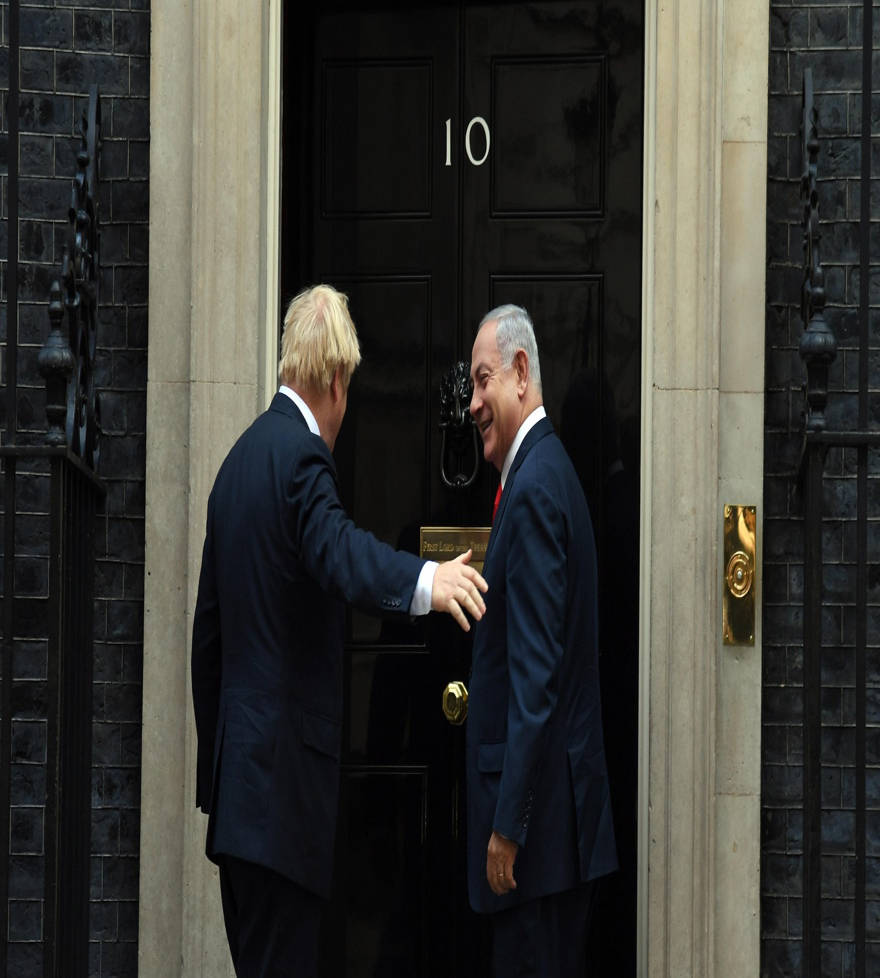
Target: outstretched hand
457, 588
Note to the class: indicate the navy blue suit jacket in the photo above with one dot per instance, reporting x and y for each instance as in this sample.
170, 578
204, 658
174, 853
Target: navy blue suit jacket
535, 757
280, 558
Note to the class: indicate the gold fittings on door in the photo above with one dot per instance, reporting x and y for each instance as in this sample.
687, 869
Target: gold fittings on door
738, 605
455, 697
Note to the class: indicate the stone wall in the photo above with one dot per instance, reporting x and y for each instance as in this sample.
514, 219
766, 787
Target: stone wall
65, 48
827, 38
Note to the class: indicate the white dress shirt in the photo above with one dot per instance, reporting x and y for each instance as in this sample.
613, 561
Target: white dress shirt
304, 409
421, 600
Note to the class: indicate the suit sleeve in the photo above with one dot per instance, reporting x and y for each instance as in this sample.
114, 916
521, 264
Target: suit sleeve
206, 670
536, 579
345, 560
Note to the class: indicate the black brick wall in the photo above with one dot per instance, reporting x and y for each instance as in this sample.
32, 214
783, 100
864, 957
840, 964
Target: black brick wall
65, 48
826, 37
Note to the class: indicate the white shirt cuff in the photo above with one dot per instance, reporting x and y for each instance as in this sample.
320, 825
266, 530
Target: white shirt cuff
421, 602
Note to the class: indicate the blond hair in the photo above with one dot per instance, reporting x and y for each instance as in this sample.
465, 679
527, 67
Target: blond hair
319, 337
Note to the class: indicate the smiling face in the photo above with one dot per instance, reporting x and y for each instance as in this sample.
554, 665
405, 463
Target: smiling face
497, 401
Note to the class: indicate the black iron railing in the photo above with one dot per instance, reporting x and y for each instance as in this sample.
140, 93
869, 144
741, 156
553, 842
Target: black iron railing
50, 499
818, 349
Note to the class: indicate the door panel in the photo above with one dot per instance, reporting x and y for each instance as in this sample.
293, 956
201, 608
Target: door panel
382, 929
548, 115
440, 161
369, 169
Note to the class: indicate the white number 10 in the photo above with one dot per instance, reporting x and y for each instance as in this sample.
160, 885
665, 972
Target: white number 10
477, 120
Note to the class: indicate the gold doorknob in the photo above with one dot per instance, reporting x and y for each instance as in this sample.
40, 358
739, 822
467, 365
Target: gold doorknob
455, 697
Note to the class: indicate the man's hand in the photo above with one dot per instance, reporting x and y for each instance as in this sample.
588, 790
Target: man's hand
500, 857
457, 586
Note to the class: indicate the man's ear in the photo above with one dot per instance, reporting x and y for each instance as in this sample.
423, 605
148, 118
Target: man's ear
521, 366
336, 388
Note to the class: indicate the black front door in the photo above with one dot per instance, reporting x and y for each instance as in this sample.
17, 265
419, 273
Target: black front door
439, 161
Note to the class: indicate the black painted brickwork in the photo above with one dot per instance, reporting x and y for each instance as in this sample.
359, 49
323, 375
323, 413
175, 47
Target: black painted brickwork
828, 38
66, 47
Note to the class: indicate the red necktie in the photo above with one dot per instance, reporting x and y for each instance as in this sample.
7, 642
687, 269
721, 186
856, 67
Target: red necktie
497, 501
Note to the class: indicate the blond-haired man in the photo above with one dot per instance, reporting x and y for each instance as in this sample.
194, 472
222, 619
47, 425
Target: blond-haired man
280, 559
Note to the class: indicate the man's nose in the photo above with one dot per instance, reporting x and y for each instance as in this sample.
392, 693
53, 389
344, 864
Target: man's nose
475, 403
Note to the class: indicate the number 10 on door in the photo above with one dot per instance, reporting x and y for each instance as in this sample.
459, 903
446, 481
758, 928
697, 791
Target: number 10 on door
477, 120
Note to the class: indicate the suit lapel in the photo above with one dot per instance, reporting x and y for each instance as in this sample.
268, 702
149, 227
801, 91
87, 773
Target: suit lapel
537, 432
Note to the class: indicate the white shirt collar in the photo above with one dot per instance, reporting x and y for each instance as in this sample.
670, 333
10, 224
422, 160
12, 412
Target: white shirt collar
524, 429
305, 410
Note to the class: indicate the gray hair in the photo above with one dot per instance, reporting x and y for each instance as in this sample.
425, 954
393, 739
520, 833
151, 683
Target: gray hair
515, 332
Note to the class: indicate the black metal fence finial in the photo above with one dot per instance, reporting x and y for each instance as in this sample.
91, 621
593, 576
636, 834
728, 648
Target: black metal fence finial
56, 365
818, 345
67, 362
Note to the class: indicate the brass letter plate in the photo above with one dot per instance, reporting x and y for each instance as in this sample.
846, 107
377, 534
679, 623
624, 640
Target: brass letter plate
738, 611
446, 542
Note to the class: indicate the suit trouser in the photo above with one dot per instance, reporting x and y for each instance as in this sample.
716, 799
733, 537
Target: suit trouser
545, 937
272, 923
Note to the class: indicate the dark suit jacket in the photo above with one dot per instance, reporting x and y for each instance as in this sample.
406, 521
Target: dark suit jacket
280, 558
535, 758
